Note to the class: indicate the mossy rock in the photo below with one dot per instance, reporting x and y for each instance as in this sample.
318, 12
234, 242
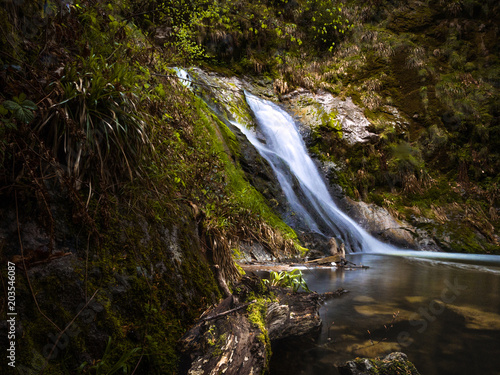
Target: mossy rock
413, 19
393, 364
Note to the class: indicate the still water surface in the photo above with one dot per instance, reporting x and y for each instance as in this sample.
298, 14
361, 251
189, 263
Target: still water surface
444, 314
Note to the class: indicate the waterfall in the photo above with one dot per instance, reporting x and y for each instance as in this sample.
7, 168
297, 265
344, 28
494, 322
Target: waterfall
300, 180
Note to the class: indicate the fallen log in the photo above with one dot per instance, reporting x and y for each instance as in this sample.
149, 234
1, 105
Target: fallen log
330, 259
231, 345
217, 316
235, 338
339, 292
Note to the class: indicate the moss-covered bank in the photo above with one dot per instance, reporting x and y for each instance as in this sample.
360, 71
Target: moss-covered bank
116, 180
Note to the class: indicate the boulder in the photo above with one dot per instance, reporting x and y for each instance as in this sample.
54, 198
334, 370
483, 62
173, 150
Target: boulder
380, 223
310, 109
394, 363
293, 315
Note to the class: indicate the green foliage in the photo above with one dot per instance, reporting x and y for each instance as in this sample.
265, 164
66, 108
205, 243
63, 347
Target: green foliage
326, 22
247, 32
20, 108
13, 113
292, 279
97, 122
106, 366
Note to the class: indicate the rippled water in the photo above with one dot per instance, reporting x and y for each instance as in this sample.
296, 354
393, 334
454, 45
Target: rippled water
444, 314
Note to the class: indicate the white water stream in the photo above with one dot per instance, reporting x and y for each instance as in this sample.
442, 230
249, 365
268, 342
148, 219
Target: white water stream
306, 191
300, 179
408, 282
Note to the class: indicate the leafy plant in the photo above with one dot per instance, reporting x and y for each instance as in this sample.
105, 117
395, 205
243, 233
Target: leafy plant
327, 22
246, 31
12, 112
20, 108
292, 279
97, 123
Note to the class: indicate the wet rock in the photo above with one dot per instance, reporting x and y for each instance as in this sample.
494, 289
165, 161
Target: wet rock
260, 174
354, 123
396, 362
254, 252
227, 94
381, 224
312, 240
294, 315
311, 108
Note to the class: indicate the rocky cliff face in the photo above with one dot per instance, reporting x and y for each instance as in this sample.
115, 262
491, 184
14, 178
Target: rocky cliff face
142, 283
314, 112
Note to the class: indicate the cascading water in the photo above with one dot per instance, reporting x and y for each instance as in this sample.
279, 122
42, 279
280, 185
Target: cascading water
301, 181
306, 191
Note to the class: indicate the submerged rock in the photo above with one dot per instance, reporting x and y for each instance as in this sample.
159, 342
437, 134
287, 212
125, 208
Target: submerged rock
394, 363
370, 350
475, 318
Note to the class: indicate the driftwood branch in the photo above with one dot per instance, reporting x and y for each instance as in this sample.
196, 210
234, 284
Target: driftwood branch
217, 316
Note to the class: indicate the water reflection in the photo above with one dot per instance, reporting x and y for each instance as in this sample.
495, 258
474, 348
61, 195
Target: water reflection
444, 315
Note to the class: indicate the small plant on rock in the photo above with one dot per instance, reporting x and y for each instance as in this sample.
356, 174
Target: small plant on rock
292, 279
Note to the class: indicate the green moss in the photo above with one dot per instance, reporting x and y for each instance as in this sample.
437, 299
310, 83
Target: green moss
243, 193
229, 138
301, 250
381, 367
155, 309
257, 317
216, 340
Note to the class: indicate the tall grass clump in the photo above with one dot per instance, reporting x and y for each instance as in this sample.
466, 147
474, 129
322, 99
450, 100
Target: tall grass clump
97, 130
